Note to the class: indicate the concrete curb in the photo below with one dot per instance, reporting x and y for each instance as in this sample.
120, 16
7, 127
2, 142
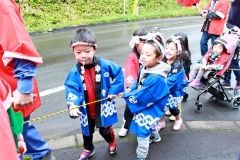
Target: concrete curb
76, 140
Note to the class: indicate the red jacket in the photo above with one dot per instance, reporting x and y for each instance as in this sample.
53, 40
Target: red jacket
221, 9
131, 67
7, 144
222, 61
15, 42
188, 3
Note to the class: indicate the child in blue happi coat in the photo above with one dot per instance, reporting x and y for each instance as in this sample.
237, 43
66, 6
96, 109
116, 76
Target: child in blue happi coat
147, 97
93, 78
176, 79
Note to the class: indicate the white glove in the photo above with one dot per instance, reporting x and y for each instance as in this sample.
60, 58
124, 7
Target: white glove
74, 111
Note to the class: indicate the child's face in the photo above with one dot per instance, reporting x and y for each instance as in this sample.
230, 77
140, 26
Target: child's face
148, 56
171, 51
84, 54
140, 46
217, 48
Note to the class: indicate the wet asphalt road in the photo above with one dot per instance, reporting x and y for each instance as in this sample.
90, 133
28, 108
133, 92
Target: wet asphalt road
113, 42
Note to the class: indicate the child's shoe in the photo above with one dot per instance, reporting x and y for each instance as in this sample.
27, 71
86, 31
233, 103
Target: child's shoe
112, 147
196, 84
172, 118
177, 125
123, 132
168, 113
86, 154
237, 86
155, 138
161, 124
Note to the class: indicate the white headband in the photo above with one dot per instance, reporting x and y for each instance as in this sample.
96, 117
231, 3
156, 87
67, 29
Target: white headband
136, 40
152, 36
176, 40
83, 44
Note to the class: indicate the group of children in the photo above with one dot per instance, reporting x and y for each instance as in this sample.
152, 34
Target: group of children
154, 80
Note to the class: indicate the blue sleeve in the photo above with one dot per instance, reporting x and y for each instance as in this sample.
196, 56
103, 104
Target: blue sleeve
142, 98
175, 79
24, 71
73, 91
117, 84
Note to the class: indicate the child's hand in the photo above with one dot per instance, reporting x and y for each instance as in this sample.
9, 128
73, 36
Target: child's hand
21, 144
73, 111
110, 96
22, 99
120, 95
208, 67
204, 13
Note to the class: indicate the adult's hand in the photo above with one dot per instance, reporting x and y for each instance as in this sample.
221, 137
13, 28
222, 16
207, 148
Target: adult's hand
22, 99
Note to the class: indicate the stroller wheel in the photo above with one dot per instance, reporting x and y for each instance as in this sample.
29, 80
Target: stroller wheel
199, 107
235, 102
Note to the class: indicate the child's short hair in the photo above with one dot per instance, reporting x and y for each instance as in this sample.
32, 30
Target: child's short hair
83, 36
156, 43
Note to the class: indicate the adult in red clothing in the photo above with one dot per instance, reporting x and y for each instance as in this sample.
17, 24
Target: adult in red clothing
18, 67
188, 3
215, 14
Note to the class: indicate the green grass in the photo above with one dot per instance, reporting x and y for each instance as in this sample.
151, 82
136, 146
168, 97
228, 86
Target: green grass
44, 15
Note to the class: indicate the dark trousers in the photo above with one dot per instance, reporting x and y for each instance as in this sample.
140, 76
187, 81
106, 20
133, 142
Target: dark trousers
106, 132
174, 111
128, 116
204, 41
234, 65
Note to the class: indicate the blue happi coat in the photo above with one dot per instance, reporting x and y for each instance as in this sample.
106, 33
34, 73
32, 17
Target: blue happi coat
177, 83
147, 100
112, 82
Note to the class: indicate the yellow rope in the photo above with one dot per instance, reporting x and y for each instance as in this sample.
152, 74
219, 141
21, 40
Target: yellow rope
62, 111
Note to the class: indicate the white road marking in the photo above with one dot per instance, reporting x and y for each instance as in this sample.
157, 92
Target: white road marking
51, 91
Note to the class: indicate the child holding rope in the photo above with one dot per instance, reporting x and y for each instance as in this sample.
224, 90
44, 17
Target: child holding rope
132, 67
90, 80
147, 97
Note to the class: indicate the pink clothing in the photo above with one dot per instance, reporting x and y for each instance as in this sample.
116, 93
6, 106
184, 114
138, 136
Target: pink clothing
218, 63
131, 67
7, 145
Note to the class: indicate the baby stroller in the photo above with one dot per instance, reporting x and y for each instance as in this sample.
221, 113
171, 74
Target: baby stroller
213, 83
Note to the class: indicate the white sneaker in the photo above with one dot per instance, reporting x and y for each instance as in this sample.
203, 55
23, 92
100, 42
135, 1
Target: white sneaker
177, 125
123, 132
172, 118
155, 138
168, 113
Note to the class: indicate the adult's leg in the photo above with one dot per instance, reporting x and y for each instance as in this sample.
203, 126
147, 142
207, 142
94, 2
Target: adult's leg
236, 71
213, 37
37, 148
204, 43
